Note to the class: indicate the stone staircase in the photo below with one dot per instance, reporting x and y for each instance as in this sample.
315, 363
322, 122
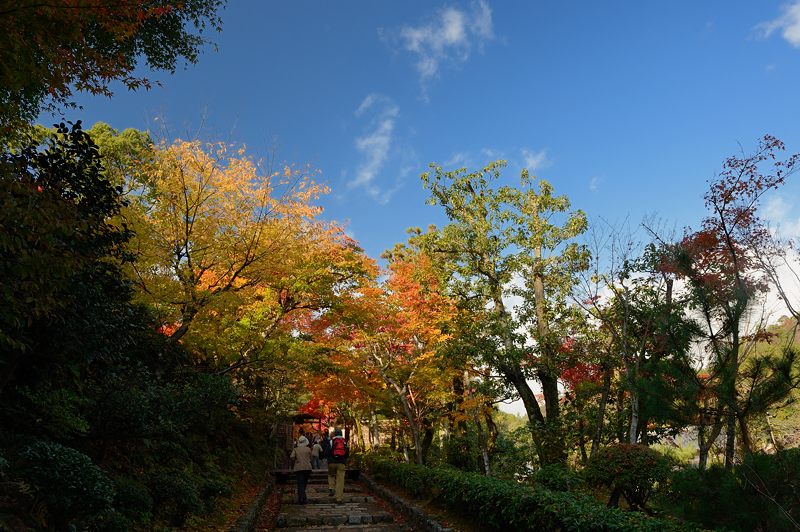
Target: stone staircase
358, 511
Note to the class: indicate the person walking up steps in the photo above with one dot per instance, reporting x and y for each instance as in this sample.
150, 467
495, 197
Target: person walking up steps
301, 456
337, 460
316, 451
326, 449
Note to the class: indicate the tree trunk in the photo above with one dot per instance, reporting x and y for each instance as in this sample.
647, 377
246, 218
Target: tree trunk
747, 444
601, 412
535, 418
547, 374
483, 445
620, 414
730, 425
359, 434
634, 428
427, 440
415, 432
374, 432
707, 441
582, 440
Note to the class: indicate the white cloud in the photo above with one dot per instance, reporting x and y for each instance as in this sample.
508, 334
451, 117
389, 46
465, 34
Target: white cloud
776, 209
458, 160
534, 160
594, 183
788, 24
448, 38
778, 213
375, 145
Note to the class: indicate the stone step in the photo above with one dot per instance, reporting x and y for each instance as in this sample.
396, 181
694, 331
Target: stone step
332, 514
322, 489
316, 498
380, 527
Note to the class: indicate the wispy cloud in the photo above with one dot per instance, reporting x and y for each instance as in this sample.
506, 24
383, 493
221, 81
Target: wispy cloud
534, 160
778, 213
449, 37
788, 24
517, 158
375, 144
594, 184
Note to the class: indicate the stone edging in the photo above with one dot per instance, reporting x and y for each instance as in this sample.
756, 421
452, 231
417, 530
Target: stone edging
247, 523
413, 513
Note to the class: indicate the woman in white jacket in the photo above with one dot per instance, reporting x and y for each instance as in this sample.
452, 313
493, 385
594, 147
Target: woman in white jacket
301, 456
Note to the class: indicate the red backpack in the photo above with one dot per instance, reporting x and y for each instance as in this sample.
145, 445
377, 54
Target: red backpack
338, 448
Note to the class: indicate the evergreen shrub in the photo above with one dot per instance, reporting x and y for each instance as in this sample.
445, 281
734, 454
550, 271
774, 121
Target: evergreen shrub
556, 477
633, 471
506, 505
71, 486
175, 496
761, 493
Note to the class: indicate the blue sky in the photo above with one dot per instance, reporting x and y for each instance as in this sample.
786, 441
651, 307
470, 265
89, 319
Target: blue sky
626, 107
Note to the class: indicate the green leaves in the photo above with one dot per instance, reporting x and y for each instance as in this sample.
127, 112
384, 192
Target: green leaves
504, 505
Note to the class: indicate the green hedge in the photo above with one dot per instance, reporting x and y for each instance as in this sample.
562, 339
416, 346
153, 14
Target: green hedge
504, 505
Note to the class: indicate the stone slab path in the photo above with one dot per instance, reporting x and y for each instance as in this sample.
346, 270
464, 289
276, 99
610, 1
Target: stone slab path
359, 510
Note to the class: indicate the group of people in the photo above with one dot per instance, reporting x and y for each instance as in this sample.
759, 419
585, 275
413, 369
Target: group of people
307, 456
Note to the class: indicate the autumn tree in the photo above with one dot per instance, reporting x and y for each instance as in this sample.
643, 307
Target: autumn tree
508, 241
719, 260
212, 223
391, 332
47, 50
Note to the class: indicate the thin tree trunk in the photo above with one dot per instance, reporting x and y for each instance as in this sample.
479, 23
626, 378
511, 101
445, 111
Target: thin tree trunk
730, 428
582, 440
747, 443
601, 412
621, 416
532, 409
360, 434
771, 432
634, 428
427, 440
707, 441
483, 446
554, 438
374, 433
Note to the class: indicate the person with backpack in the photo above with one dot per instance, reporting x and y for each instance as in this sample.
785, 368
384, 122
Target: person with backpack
337, 460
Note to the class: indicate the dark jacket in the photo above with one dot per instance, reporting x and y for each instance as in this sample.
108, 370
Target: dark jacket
338, 460
326, 448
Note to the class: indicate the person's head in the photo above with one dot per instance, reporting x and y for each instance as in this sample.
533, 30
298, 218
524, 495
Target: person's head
301, 441
337, 432
325, 435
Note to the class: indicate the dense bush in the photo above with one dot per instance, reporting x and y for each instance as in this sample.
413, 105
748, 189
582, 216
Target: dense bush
175, 496
557, 478
762, 493
504, 505
632, 471
67, 481
132, 500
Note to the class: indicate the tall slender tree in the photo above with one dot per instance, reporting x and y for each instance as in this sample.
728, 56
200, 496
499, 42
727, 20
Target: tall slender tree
504, 241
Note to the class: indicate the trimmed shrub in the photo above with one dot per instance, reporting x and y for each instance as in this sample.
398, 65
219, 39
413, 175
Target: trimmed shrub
72, 487
175, 496
133, 500
557, 478
632, 471
762, 493
504, 505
